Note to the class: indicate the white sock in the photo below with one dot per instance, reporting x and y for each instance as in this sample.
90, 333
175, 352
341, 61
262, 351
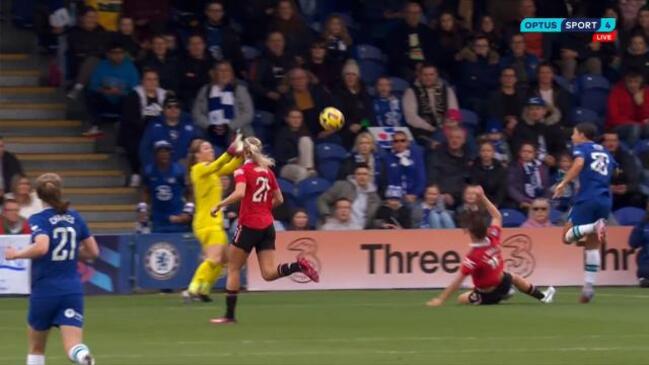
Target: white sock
577, 232
35, 359
78, 353
593, 261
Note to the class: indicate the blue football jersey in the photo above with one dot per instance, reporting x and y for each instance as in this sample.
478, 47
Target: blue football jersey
595, 177
56, 273
167, 189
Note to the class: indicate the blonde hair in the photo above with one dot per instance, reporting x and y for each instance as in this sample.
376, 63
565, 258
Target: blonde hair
344, 32
49, 188
365, 135
252, 148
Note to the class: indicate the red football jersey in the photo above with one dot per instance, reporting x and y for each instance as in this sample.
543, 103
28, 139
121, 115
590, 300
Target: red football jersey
256, 209
484, 262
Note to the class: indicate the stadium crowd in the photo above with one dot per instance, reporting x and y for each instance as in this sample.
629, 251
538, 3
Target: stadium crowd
438, 95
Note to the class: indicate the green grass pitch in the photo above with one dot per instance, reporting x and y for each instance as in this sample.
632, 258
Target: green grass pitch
352, 327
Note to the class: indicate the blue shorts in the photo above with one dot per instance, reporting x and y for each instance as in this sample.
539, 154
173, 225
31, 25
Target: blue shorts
47, 312
589, 211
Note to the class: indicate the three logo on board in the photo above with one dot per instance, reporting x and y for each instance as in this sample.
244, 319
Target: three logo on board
307, 248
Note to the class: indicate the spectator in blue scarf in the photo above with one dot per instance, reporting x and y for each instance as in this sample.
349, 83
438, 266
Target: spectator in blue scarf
528, 178
431, 212
405, 168
388, 110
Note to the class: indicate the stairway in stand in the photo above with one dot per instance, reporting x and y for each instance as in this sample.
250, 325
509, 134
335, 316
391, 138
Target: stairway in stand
35, 126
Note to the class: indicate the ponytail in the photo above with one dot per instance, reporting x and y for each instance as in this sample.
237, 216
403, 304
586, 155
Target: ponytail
252, 149
49, 189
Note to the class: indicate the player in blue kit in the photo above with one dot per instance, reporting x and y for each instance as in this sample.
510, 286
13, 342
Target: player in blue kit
60, 237
164, 185
595, 167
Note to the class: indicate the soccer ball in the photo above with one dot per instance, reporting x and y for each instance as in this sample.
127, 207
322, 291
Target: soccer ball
331, 119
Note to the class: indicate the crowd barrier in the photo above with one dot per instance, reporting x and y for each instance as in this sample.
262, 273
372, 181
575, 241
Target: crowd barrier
345, 260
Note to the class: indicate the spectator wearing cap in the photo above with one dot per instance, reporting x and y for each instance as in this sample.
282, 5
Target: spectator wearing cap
222, 40
112, 79
557, 99
10, 166
164, 189
628, 108
639, 239
448, 165
142, 105
172, 126
161, 59
506, 103
528, 178
494, 135
478, 73
86, 43
388, 110
426, 102
268, 76
489, 173
538, 215
293, 148
410, 43
10, 220
365, 152
534, 128
405, 168
223, 106
517, 58
359, 190
393, 214
354, 102
341, 220
308, 97
625, 183
194, 69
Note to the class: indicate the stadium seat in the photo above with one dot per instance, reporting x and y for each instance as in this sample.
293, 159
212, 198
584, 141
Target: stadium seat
308, 191
556, 216
250, 53
512, 218
629, 216
579, 115
262, 124
367, 52
329, 156
288, 191
470, 119
561, 81
370, 71
399, 85
587, 82
594, 99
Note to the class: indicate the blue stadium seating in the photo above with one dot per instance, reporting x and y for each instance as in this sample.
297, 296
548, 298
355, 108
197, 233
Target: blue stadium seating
367, 52
370, 71
250, 53
629, 216
593, 93
262, 124
512, 218
587, 82
561, 81
329, 156
470, 119
399, 85
556, 216
288, 191
308, 191
579, 115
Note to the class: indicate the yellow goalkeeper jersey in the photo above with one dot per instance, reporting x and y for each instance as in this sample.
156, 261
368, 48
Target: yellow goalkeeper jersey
206, 181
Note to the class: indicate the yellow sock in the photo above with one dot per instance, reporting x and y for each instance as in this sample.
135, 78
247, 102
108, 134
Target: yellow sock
201, 276
212, 277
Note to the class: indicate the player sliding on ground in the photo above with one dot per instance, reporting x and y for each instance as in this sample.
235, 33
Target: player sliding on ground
587, 224
60, 237
485, 263
205, 173
257, 188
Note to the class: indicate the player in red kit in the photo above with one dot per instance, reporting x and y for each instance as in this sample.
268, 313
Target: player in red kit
256, 188
485, 265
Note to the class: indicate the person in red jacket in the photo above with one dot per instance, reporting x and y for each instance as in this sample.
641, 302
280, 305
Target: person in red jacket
10, 221
628, 108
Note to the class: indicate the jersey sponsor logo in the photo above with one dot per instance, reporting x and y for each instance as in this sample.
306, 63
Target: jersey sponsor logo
162, 261
519, 258
164, 193
305, 248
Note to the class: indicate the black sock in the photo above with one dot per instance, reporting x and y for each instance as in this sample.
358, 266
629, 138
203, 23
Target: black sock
231, 303
287, 269
535, 292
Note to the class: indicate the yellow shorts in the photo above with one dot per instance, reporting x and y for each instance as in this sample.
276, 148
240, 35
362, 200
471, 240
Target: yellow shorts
211, 236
